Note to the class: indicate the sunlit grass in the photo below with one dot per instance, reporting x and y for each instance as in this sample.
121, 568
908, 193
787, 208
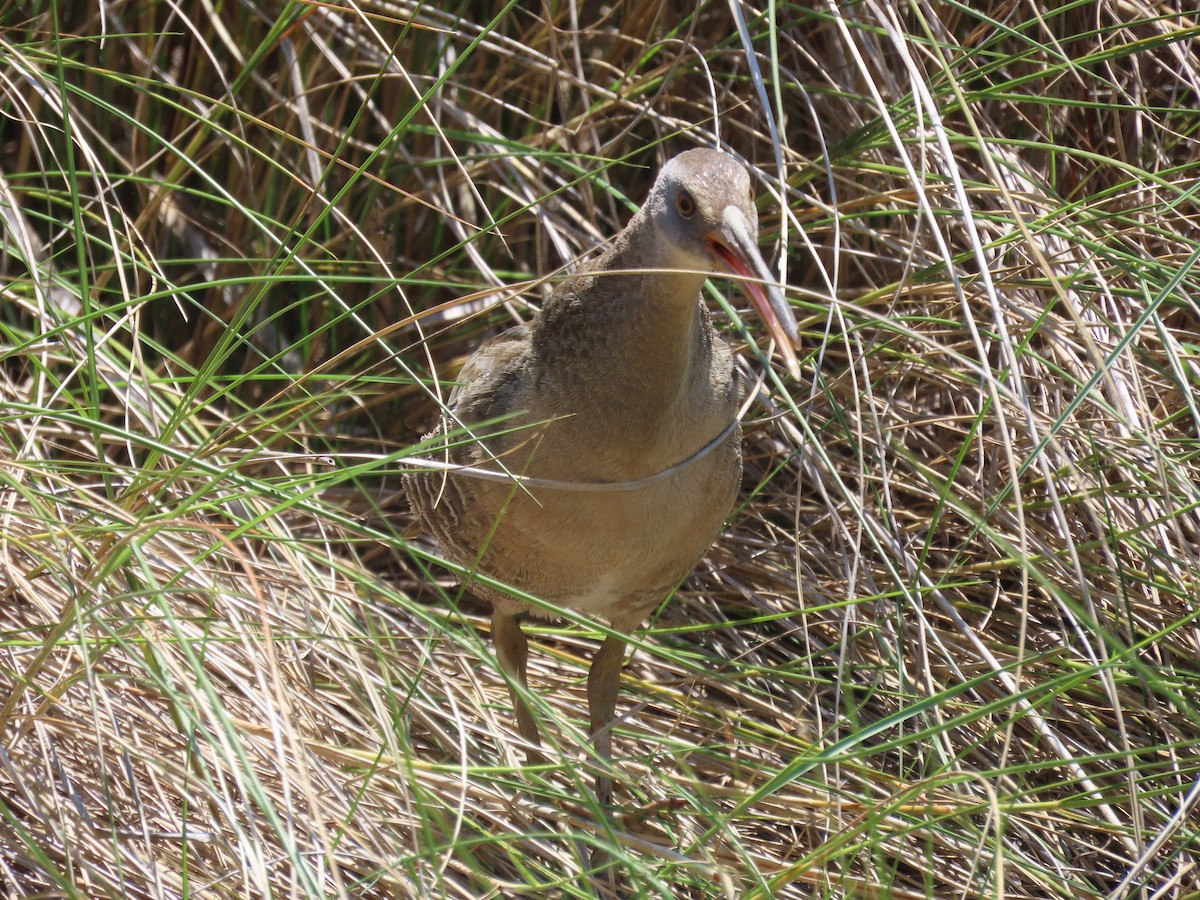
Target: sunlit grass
948, 644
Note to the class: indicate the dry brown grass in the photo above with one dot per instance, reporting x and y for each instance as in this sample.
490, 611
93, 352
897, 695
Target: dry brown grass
947, 648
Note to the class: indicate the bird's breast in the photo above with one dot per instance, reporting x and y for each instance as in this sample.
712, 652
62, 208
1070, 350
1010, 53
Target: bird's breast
605, 551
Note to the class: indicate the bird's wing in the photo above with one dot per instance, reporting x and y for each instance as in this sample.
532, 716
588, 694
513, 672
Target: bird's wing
489, 380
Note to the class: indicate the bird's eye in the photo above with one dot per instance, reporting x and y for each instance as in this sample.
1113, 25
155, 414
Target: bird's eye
686, 204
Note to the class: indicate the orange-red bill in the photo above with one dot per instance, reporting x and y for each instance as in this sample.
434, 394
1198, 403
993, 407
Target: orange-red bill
734, 248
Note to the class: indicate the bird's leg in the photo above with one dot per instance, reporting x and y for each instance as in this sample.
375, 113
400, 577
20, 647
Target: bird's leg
604, 680
512, 649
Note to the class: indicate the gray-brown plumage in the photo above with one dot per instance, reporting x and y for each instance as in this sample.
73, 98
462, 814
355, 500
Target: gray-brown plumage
620, 377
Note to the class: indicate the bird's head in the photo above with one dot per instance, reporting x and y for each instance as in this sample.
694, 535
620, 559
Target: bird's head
702, 211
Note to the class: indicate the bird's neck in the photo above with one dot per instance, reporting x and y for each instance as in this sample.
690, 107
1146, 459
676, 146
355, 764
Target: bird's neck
637, 331
633, 347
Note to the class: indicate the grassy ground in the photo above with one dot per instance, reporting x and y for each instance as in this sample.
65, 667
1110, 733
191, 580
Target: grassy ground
948, 646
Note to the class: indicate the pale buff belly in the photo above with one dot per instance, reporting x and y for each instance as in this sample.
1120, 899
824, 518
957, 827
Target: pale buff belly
613, 555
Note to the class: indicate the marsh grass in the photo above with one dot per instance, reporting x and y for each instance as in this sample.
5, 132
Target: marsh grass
948, 646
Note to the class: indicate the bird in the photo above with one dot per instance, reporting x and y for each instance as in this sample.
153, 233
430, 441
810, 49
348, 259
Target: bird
592, 455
